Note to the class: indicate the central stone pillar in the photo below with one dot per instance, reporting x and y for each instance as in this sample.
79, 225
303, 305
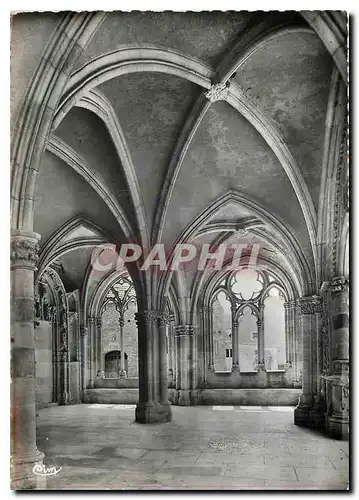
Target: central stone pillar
153, 405
306, 413
185, 342
24, 453
337, 388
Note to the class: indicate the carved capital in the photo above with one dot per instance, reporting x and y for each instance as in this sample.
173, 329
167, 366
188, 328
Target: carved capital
99, 322
91, 320
146, 317
121, 322
218, 92
310, 305
164, 319
185, 330
83, 331
24, 249
339, 284
172, 318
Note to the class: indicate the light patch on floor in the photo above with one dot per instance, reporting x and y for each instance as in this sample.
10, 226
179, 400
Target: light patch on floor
222, 408
99, 406
281, 408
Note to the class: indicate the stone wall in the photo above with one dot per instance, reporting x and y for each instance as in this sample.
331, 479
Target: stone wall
111, 335
43, 358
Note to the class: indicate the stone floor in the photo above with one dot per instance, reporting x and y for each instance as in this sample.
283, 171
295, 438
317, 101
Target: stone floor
219, 447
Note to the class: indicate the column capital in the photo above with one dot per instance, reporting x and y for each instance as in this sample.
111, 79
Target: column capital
185, 330
218, 92
146, 317
339, 284
83, 331
164, 319
259, 323
99, 322
91, 320
121, 321
235, 324
310, 305
24, 249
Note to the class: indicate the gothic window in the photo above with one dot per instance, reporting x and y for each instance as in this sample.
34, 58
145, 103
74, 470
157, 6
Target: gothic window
246, 297
247, 284
247, 323
119, 329
222, 329
274, 330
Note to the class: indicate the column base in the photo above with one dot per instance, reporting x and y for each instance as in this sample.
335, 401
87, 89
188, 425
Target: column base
122, 374
153, 413
64, 399
184, 397
302, 413
317, 414
338, 427
22, 474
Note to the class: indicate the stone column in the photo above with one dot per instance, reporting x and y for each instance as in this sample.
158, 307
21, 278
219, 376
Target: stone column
207, 342
151, 406
338, 383
91, 350
171, 353
122, 372
261, 362
235, 342
210, 340
84, 357
24, 453
100, 359
186, 359
64, 361
289, 308
260, 328
164, 322
307, 413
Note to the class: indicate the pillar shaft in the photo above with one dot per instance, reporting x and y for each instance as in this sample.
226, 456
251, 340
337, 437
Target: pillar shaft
99, 358
210, 340
185, 340
24, 452
235, 342
171, 350
153, 405
337, 384
122, 372
305, 413
84, 356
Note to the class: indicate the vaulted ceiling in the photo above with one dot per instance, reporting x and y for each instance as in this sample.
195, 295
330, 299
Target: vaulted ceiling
139, 150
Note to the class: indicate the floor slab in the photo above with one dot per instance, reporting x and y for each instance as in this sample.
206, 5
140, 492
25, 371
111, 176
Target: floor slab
231, 448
